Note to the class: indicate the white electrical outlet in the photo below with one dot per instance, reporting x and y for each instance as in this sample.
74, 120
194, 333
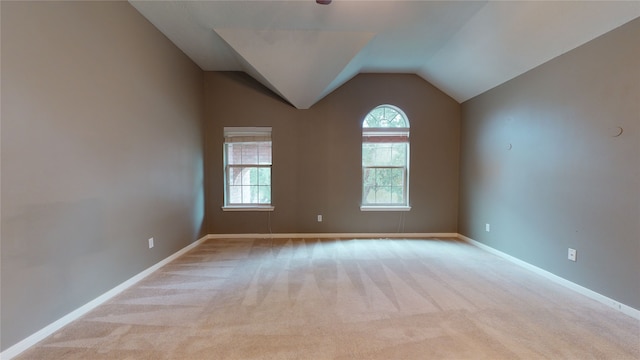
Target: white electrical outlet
150, 243
572, 254
487, 227
319, 218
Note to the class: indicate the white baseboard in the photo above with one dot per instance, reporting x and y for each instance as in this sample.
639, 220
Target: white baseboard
625, 309
23, 345
335, 236
40, 335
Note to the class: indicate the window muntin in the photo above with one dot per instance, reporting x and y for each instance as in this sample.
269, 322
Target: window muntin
385, 159
385, 116
248, 162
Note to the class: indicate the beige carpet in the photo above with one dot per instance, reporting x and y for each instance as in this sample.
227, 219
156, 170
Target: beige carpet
345, 299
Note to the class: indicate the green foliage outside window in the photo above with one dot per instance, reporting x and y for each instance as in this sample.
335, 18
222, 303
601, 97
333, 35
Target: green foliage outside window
385, 151
249, 173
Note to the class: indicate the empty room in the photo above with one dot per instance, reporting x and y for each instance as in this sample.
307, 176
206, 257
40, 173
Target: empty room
320, 179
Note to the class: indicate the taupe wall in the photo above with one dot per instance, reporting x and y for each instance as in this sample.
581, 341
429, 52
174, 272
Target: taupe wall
317, 155
101, 150
566, 182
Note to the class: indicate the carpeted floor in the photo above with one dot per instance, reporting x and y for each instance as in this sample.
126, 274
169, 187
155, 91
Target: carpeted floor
344, 299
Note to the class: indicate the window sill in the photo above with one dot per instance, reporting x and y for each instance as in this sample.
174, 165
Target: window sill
248, 208
384, 208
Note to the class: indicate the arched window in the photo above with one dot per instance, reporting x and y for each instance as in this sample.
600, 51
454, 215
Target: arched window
385, 159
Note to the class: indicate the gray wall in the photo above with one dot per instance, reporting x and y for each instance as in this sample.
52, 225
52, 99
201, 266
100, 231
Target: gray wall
317, 155
566, 182
101, 150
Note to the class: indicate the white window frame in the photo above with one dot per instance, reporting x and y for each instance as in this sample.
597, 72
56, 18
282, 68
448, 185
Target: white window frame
387, 132
248, 135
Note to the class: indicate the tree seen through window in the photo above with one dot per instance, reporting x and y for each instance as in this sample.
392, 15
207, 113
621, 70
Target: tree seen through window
385, 157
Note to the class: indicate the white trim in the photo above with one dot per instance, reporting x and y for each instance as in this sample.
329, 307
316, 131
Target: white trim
48, 330
384, 208
248, 208
233, 131
386, 131
616, 305
40, 335
335, 235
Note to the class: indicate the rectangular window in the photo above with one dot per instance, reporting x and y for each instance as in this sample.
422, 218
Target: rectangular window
247, 161
385, 165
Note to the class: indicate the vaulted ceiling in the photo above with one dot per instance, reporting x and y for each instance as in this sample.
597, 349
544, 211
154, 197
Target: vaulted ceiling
303, 51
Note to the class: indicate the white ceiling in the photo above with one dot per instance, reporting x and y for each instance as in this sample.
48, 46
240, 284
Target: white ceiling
303, 51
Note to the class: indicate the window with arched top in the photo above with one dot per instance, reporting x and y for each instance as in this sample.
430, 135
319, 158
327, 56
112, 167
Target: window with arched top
385, 159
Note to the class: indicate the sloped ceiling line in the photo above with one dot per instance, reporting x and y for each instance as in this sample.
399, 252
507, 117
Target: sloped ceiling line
297, 64
303, 51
